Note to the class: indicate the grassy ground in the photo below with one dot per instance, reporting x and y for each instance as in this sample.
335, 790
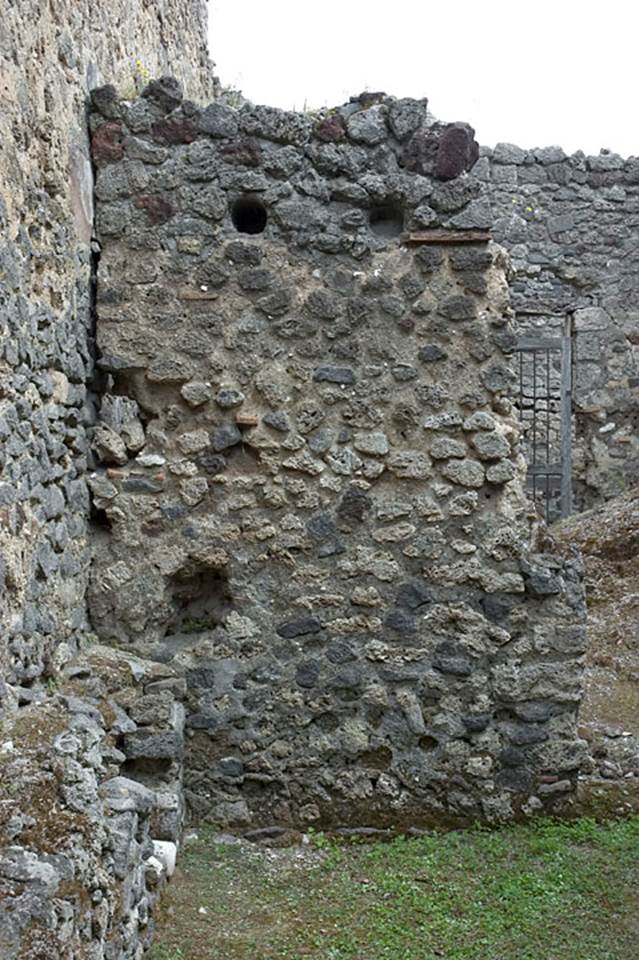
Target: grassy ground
548, 891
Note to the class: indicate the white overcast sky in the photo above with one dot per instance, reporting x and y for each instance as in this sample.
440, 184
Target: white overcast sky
534, 73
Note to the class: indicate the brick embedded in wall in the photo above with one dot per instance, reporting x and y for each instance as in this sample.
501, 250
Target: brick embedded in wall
310, 480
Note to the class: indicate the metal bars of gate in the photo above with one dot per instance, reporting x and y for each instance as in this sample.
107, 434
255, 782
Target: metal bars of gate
548, 399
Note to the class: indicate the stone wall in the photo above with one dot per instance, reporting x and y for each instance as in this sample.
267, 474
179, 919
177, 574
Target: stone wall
570, 225
90, 799
51, 54
91, 811
306, 474
311, 490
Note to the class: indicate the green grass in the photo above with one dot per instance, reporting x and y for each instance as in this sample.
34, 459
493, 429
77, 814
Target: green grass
546, 891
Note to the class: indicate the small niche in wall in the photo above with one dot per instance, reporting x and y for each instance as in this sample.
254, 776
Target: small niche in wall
249, 215
386, 219
201, 599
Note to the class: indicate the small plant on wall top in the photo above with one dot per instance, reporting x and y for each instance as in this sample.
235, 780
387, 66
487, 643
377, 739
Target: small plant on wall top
140, 77
232, 97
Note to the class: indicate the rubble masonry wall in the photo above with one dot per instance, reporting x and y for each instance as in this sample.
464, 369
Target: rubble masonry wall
311, 486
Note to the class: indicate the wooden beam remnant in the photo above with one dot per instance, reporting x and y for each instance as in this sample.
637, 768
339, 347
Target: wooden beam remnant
447, 236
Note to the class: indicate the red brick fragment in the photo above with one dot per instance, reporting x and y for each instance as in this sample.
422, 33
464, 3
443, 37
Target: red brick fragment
106, 143
331, 129
158, 209
174, 130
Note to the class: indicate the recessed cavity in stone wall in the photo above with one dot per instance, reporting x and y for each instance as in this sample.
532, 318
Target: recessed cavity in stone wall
309, 477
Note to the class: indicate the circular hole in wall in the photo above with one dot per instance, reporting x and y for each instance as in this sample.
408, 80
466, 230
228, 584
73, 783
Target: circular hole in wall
386, 219
249, 215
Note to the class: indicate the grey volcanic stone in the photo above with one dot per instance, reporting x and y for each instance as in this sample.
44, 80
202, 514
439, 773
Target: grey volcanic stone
228, 435
152, 745
367, 126
218, 120
431, 353
166, 92
278, 125
122, 793
405, 116
542, 583
490, 446
508, 153
300, 627
467, 473
308, 673
196, 393
334, 375
459, 308
228, 397
354, 505
278, 421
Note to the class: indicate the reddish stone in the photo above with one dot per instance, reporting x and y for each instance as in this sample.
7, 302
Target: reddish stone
457, 151
158, 209
106, 143
331, 129
174, 130
245, 152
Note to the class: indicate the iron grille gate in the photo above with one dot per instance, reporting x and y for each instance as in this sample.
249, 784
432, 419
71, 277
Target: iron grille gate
545, 410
